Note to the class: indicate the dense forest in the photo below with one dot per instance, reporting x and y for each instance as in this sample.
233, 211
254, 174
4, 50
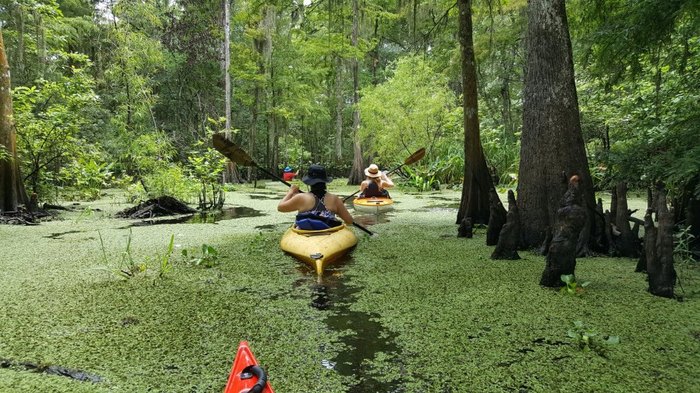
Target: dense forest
556, 132
127, 94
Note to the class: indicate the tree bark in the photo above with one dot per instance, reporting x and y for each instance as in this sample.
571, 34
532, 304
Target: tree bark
12, 191
570, 220
20, 43
660, 270
509, 238
356, 172
339, 103
552, 144
477, 184
497, 217
627, 241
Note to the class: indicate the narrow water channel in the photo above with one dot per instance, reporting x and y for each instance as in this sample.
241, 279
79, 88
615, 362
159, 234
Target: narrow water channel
334, 294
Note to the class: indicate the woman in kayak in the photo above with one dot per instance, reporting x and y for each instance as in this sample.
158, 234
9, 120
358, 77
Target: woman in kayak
317, 209
376, 184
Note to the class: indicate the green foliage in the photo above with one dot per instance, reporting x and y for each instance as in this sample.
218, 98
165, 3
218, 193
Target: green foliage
4, 155
128, 267
206, 167
151, 160
421, 179
639, 96
170, 180
503, 155
86, 176
588, 340
572, 286
165, 265
50, 118
682, 250
414, 108
295, 154
208, 256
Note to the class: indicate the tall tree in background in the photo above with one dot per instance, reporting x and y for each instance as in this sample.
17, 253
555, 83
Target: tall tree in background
552, 146
477, 180
356, 176
12, 192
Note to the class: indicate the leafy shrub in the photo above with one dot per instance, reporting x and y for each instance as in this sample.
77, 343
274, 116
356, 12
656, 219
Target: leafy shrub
169, 180
206, 167
86, 176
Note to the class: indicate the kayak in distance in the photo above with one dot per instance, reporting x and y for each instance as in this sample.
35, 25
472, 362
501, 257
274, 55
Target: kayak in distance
318, 248
373, 204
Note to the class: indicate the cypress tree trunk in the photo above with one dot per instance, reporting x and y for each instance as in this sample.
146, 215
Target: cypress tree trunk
356, 173
339, 103
561, 254
662, 274
552, 147
509, 238
627, 242
12, 192
477, 180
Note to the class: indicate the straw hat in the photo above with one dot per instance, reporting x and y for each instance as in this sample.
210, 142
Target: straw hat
372, 171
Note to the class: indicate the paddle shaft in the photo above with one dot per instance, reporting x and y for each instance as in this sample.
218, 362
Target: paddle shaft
273, 175
238, 155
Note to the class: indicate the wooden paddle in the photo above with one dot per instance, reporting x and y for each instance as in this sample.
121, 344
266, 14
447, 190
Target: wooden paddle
240, 157
420, 153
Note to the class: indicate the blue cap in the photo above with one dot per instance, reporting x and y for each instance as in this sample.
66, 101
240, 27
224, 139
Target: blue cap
288, 169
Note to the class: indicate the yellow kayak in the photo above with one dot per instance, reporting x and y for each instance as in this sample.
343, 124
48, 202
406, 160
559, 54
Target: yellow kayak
318, 248
373, 204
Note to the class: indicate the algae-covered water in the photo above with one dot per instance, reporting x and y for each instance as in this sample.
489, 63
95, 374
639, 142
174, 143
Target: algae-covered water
414, 309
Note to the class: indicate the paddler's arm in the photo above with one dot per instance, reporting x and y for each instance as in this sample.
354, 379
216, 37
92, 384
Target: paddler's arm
289, 203
341, 210
387, 182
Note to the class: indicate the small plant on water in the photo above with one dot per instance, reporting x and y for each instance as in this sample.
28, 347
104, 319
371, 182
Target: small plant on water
572, 287
165, 265
209, 256
588, 340
130, 268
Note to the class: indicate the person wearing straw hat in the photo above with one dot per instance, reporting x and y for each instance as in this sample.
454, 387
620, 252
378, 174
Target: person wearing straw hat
376, 183
317, 209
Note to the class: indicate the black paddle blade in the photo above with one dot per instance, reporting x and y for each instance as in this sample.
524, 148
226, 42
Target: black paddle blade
420, 153
231, 151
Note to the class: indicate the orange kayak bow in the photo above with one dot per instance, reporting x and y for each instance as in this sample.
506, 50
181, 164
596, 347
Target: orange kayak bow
246, 375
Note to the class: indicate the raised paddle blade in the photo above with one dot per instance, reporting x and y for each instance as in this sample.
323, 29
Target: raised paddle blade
231, 151
420, 153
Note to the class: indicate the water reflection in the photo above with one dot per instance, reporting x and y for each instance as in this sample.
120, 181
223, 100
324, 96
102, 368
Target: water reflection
372, 219
211, 217
362, 334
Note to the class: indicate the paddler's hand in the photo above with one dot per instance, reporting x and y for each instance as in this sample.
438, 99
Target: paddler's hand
293, 190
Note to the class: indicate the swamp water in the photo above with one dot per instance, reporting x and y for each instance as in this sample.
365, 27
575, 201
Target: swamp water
362, 336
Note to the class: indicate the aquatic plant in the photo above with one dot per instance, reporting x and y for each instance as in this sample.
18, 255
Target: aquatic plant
129, 267
209, 256
165, 264
588, 340
572, 287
